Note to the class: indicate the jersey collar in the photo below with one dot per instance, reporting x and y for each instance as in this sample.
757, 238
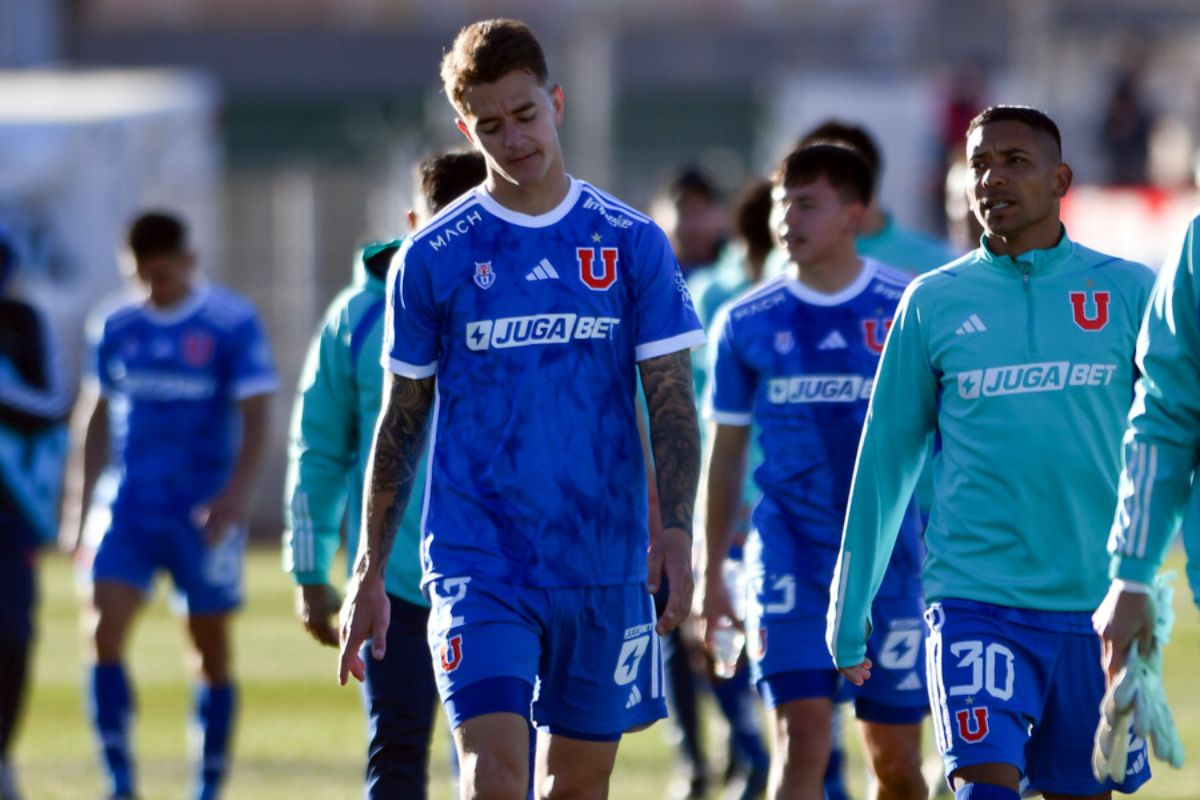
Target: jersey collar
527, 220
1031, 261
185, 309
865, 275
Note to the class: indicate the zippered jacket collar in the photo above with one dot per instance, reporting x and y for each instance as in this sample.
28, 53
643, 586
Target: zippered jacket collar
1031, 262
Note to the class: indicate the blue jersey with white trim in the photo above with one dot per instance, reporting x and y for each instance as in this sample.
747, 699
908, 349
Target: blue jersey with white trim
533, 326
800, 365
172, 380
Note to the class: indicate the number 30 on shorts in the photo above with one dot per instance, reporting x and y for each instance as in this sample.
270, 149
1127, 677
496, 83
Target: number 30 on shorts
991, 668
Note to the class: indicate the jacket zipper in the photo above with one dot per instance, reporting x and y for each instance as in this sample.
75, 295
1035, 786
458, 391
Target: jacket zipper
1029, 322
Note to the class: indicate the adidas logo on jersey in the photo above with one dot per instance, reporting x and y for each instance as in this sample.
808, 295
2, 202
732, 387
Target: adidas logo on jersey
544, 271
833, 341
635, 697
973, 324
911, 683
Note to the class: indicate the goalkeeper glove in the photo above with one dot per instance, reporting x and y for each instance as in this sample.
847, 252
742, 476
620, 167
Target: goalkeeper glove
1137, 696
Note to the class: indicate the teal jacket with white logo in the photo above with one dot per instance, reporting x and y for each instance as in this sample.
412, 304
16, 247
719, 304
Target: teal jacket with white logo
1162, 444
1019, 372
333, 422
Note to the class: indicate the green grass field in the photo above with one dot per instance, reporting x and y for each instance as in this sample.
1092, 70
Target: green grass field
300, 735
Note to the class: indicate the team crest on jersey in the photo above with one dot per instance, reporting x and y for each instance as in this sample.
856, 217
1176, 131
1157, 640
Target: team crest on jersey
451, 653
875, 333
197, 348
972, 724
784, 342
598, 274
1090, 316
485, 276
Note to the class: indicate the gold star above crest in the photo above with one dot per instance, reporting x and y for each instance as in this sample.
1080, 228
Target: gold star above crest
597, 238
1089, 283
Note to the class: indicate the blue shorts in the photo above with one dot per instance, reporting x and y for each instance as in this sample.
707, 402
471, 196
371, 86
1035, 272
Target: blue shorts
1020, 687
585, 662
208, 580
789, 659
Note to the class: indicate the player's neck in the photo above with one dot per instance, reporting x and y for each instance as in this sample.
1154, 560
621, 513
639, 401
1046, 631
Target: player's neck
1042, 236
533, 199
170, 300
830, 275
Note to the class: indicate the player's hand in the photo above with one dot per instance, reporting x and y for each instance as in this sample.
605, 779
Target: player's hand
1123, 618
715, 606
671, 558
218, 517
317, 606
366, 614
858, 674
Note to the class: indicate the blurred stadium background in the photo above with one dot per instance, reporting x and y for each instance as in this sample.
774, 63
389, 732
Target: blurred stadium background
285, 131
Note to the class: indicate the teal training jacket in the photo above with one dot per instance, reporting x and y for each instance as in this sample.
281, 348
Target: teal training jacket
333, 421
1019, 372
1162, 444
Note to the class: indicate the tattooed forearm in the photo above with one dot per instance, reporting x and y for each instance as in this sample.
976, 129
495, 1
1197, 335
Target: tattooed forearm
674, 435
399, 440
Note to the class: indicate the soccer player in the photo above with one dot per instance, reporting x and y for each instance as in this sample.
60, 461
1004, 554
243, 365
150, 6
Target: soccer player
796, 357
33, 407
527, 308
337, 404
1017, 359
182, 389
1161, 451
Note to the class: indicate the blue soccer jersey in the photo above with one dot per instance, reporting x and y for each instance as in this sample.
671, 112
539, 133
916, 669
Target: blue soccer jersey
800, 365
172, 380
533, 326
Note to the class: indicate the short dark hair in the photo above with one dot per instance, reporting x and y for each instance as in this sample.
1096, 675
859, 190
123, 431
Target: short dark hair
845, 170
444, 177
157, 233
1026, 115
847, 134
752, 216
486, 51
692, 180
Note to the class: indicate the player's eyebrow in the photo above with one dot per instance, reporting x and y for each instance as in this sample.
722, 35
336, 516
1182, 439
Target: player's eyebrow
521, 109
1008, 151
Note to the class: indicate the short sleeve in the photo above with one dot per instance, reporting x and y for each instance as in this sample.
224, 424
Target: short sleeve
730, 398
666, 317
410, 328
96, 364
253, 367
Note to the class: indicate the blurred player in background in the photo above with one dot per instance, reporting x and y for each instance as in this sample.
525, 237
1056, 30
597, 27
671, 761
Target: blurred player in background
528, 307
1018, 359
796, 356
34, 402
337, 405
172, 430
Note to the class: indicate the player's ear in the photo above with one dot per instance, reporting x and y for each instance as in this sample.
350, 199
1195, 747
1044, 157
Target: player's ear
412, 219
1063, 176
462, 127
856, 212
556, 100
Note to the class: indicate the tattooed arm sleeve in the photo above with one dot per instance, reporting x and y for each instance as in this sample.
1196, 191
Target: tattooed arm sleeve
674, 435
399, 440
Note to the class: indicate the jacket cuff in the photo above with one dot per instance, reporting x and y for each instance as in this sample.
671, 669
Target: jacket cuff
1127, 568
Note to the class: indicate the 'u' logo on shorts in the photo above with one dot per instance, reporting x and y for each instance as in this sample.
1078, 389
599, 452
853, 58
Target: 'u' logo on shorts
451, 654
969, 732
